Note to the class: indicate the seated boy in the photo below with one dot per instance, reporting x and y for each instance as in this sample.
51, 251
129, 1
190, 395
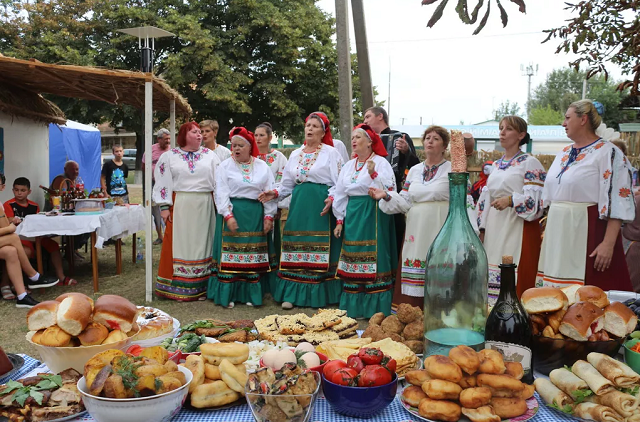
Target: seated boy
17, 209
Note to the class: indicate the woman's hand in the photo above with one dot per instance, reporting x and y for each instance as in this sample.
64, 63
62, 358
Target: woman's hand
268, 225
11, 228
377, 194
337, 232
371, 167
501, 203
166, 216
267, 196
327, 206
232, 225
603, 254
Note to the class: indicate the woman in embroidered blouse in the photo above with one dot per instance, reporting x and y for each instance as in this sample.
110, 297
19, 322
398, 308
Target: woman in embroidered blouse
243, 248
185, 182
209, 130
369, 259
309, 252
588, 190
509, 208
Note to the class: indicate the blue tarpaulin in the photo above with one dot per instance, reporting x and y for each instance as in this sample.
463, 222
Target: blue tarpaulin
77, 142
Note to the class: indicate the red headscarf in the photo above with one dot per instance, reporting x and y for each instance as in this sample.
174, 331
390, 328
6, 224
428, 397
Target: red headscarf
327, 138
247, 136
376, 143
482, 180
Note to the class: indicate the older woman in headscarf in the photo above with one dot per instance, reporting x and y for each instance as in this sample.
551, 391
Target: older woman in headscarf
589, 192
242, 249
185, 182
476, 188
369, 258
309, 252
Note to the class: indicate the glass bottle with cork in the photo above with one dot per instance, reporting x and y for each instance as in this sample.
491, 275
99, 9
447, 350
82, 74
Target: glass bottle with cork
508, 328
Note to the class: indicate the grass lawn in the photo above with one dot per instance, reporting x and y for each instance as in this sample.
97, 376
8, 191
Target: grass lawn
130, 284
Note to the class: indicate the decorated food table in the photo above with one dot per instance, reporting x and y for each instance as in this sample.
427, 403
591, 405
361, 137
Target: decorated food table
116, 223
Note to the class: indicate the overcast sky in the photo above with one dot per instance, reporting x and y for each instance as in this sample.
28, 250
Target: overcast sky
444, 74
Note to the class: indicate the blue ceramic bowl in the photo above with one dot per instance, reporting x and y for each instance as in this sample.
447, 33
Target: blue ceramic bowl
359, 402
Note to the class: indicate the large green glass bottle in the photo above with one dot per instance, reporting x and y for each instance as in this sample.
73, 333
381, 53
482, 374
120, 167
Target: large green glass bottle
456, 277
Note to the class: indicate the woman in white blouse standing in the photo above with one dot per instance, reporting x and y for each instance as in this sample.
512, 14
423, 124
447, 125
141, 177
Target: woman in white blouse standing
425, 200
510, 207
309, 251
244, 250
589, 194
369, 259
209, 130
185, 182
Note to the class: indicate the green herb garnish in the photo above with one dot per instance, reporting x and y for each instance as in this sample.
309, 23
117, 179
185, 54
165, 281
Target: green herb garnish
49, 382
567, 368
157, 384
197, 324
22, 393
633, 391
581, 395
126, 369
565, 409
299, 361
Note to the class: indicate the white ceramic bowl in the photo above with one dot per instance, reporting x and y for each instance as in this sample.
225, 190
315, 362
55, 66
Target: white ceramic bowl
160, 408
60, 358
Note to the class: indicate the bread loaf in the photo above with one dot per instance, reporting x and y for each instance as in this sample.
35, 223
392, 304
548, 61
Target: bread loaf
82, 295
74, 314
592, 294
94, 334
619, 320
55, 337
43, 315
570, 292
581, 320
115, 312
543, 299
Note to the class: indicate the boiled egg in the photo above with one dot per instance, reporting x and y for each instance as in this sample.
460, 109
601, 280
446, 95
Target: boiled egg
269, 356
305, 347
311, 359
283, 356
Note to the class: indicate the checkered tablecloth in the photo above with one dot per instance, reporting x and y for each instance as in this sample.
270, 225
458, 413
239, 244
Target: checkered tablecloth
322, 411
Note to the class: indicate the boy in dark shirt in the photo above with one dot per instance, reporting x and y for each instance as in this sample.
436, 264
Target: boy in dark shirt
114, 173
17, 209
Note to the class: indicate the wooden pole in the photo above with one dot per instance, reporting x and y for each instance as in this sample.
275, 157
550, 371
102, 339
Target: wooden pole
345, 93
362, 50
148, 135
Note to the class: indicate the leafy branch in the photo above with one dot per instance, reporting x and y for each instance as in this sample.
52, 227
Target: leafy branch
462, 8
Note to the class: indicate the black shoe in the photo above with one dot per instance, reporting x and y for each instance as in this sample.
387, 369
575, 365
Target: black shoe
26, 302
42, 282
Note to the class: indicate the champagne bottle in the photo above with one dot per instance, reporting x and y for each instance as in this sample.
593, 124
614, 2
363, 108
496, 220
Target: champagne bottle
508, 328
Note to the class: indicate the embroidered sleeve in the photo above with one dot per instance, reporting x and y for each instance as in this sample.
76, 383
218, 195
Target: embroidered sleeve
400, 203
615, 199
528, 203
271, 207
223, 191
385, 179
482, 208
163, 189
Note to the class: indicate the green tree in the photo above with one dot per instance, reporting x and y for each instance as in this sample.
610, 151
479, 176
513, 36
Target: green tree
545, 116
506, 109
564, 86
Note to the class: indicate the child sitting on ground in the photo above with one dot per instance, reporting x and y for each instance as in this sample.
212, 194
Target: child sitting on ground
17, 209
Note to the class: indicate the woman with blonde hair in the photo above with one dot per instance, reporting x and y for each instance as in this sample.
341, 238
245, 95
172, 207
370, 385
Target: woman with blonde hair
209, 130
589, 194
509, 208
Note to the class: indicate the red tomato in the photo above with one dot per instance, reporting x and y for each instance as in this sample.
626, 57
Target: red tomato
373, 376
332, 366
344, 376
135, 350
390, 364
370, 355
355, 362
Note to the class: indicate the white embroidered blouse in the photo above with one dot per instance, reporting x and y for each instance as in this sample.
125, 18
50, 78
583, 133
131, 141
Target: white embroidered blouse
183, 171
222, 152
235, 180
522, 179
276, 162
322, 167
355, 180
599, 174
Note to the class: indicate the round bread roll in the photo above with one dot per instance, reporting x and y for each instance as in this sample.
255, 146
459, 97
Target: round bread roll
74, 314
473, 398
441, 410
413, 394
581, 320
500, 382
592, 294
468, 381
491, 362
43, 315
417, 377
508, 408
35, 338
94, 334
235, 353
466, 358
115, 312
55, 337
82, 295
441, 390
441, 367
213, 394
514, 369
235, 379
114, 337
543, 299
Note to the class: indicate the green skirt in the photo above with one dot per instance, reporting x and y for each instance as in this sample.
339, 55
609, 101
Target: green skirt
244, 259
369, 259
310, 252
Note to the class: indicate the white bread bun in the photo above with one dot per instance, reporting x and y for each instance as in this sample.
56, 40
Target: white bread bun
55, 337
619, 320
43, 315
539, 300
115, 312
570, 292
114, 337
94, 334
581, 320
82, 295
74, 314
592, 294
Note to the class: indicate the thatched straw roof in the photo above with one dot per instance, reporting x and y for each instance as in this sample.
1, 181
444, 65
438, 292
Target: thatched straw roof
18, 102
90, 83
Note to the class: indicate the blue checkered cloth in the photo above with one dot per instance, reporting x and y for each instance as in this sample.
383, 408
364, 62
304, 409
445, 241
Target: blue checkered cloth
322, 411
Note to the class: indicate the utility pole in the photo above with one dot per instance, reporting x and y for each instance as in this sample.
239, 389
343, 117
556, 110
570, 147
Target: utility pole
345, 93
529, 72
389, 90
584, 88
362, 50
402, 121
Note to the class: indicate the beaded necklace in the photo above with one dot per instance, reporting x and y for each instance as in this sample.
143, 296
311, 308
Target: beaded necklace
430, 172
503, 166
246, 169
305, 162
358, 168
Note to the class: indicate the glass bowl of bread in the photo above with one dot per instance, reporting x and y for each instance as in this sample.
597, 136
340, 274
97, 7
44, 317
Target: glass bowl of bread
71, 329
571, 322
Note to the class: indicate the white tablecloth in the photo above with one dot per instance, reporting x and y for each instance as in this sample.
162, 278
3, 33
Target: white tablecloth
112, 224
